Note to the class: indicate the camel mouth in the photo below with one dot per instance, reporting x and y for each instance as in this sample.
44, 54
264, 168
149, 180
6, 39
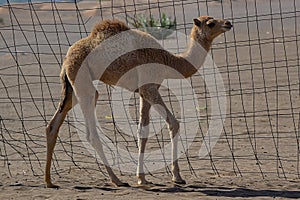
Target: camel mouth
227, 27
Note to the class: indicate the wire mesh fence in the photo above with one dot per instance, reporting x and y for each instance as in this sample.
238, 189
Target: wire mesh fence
258, 60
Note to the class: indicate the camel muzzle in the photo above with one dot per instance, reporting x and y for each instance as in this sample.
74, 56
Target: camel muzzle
227, 25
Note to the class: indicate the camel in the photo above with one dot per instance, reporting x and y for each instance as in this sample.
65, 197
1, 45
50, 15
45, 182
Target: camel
84, 60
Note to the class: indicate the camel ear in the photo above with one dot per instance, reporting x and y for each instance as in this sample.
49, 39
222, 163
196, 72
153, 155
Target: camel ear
197, 22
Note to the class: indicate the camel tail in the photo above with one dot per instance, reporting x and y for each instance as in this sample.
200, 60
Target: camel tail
66, 89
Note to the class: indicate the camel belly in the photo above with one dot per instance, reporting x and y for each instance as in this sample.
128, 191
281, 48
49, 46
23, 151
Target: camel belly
123, 79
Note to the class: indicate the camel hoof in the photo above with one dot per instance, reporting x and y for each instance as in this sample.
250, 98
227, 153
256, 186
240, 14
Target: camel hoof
50, 185
121, 184
179, 182
145, 183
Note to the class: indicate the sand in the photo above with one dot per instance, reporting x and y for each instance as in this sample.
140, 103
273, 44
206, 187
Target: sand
256, 156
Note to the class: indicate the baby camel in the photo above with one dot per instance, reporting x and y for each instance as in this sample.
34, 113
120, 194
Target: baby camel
84, 63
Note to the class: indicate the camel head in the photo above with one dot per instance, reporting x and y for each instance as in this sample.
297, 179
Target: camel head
208, 28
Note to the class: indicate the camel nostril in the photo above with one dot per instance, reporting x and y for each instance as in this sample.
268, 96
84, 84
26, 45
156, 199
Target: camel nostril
227, 23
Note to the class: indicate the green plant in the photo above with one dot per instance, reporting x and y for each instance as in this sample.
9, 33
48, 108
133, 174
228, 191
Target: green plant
158, 28
1, 21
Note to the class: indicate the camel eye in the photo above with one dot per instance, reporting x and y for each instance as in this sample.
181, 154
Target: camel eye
210, 25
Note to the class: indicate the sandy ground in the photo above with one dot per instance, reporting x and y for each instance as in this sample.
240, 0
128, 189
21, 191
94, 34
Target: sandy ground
256, 156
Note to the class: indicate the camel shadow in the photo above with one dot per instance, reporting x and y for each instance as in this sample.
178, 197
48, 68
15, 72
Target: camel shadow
232, 192
229, 192
244, 192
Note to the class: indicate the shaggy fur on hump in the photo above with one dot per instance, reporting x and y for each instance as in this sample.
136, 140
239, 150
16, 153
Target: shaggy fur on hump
80, 50
108, 28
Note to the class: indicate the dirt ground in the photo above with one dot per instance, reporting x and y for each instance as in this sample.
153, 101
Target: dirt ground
257, 154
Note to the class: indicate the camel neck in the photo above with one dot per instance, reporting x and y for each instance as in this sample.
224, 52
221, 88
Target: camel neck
195, 55
205, 43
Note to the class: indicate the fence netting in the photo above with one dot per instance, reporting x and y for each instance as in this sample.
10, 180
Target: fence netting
258, 61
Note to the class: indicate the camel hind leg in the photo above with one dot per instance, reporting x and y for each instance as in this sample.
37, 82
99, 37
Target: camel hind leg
52, 133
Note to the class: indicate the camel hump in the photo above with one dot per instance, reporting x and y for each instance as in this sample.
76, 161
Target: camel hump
108, 28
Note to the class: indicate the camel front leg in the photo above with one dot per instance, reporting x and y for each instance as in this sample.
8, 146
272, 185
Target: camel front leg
150, 93
143, 132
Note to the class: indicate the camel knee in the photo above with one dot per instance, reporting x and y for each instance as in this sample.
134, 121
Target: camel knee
50, 130
51, 137
92, 139
143, 131
89, 139
174, 128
